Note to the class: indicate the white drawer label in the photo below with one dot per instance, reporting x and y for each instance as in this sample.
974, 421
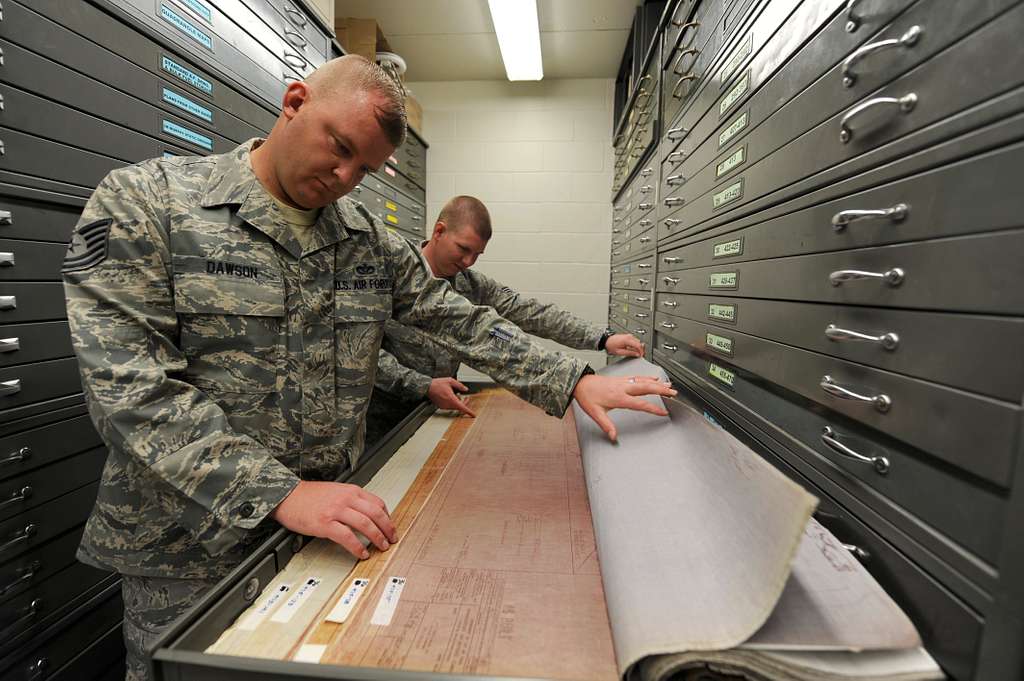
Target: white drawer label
348, 601
732, 161
736, 59
735, 128
728, 249
722, 344
722, 374
724, 313
737, 91
723, 279
292, 605
388, 602
728, 195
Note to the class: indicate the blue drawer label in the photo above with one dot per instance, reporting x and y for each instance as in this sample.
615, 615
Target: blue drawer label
183, 74
199, 8
188, 135
186, 104
186, 27
168, 154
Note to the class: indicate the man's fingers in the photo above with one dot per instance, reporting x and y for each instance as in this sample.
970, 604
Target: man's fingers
346, 538
643, 405
650, 388
459, 386
379, 517
600, 417
357, 520
464, 408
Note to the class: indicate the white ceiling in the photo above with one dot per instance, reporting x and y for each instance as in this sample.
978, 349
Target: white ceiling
454, 39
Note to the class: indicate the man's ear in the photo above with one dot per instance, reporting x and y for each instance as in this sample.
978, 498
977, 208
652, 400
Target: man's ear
296, 95
439, 229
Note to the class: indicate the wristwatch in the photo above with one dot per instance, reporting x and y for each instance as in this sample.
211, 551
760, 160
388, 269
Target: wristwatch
608, 333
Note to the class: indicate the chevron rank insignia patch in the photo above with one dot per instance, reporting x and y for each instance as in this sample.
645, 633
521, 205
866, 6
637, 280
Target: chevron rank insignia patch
88, 246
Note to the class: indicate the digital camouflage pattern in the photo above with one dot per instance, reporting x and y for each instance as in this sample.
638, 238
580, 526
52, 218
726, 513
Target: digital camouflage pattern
221, 361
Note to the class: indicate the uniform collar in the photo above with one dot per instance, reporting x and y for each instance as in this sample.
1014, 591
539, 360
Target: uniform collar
234, 183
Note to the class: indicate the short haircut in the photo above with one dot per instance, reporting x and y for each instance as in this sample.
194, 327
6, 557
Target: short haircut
355, 71
463, 211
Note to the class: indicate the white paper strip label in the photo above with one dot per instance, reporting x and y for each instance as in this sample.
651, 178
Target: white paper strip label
260, 614
388, 602
348, 601
310, 652
285, 612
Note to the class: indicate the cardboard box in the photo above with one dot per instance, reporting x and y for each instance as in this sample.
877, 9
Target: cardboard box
414, 113
361, 36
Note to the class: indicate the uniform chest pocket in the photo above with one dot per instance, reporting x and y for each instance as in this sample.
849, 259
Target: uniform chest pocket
232, 329
358, 329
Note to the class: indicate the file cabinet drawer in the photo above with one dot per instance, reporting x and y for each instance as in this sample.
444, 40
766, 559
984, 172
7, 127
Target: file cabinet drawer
32, 449
29, 490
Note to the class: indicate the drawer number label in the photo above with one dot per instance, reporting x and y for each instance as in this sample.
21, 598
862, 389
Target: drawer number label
185, 75
737, 91
723, 280
728, 249
721, 344
189, 136
391, 218
735, 128
734, 160
722, 374
731, 193
200, 8
723, 313
187, 105
736, 59
185, 26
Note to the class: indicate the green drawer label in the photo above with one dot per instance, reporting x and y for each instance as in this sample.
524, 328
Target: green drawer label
190, 136
736, 59
732, 161
185, 26
722, 313
728, 249
723, 279
722, 344
199, 8
185, 75
731, 193
737, 91
735, 128
187, 105
722, 374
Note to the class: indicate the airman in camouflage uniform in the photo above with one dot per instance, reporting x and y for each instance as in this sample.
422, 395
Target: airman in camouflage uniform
227, 365
413, 366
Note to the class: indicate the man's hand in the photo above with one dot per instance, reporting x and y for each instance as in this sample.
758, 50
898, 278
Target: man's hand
624, 345
597, 395
442, 394
332, 510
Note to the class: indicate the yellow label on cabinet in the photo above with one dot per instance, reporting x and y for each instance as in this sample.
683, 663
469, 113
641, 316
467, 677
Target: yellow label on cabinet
722, 374
391, 205
724, 313
392, 219
723, 279
722, 344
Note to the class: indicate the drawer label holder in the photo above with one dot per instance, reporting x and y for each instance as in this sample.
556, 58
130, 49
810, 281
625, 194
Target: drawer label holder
728, 249
720, 344
185, 75
735, 128
187, 105
722, 313
722, 374
724, 280
733, 192
185, 26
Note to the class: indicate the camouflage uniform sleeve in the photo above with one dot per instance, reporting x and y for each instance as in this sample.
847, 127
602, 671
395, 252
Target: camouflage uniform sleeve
124, 328
532, 316
478, 336
398, 379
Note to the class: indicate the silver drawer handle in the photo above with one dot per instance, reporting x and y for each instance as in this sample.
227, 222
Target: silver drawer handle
671, 222
844, 217
10, 387
617, 219
645, 239
6, 218
616, 230
10, 344
6, 259
27, 613
881, 401
671, 260
26, 574
670, 303
905, 104
682, 79
8, 302
673, 201
646, 189
889, 341
641, 299
645, 206
852, 20
682, 26
893, 277
669, 346
295, 16
18, 496
858, 552
643, 282
23, 536
297, 40
676, 156
294, 60
640, 332
641, 315
668, 325
679, 59
615, 242
830, 438
676, 134
645, 223
908, 39
670, 281
17, 457
645, 265
413, 164
645, 172
673, 180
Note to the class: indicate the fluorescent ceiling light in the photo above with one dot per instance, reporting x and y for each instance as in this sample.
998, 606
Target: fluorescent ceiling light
515, 22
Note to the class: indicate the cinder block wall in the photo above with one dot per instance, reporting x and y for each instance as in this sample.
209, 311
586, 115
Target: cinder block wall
539, 155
